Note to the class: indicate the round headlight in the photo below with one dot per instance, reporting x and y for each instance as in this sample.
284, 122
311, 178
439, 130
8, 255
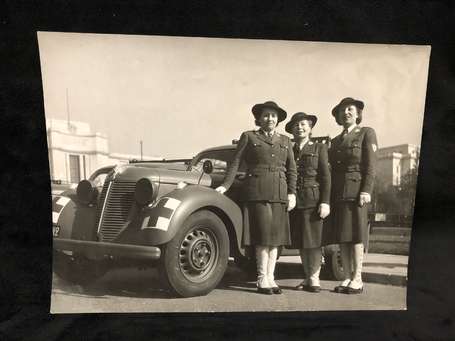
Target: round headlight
86, 192
145, 190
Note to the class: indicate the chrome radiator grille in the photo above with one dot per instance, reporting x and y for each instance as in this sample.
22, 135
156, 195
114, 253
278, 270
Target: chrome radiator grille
115, 203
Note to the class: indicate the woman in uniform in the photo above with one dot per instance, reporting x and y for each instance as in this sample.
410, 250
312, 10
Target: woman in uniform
353, 160
313, 194
269, 190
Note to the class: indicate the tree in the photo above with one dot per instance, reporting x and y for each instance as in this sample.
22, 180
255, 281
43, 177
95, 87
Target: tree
408, 186
407, 191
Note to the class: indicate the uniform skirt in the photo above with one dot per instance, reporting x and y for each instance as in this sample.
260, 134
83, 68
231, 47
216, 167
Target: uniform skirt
306, 228
348, 223
265, 223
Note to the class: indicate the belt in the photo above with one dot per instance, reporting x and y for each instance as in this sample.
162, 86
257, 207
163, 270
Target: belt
267, 168
307, 183
347, 169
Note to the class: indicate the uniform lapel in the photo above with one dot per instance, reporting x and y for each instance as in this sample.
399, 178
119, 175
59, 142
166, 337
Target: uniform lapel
308, 147
260, 135
275, 138
347, 139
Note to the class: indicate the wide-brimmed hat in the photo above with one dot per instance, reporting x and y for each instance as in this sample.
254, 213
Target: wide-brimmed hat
297, 117
345, 102
257, 110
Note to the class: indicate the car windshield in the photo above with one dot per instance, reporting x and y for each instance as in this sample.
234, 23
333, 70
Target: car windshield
221, 160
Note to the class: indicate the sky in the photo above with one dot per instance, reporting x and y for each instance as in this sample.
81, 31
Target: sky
180, 95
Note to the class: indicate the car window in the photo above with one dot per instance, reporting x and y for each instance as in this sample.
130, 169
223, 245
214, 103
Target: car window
98, 181
219, 166
221, 160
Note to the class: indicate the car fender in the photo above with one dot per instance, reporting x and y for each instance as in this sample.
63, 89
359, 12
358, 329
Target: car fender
160, 222
71, 219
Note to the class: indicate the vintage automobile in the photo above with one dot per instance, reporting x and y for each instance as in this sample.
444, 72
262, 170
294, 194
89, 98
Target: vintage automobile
157, 214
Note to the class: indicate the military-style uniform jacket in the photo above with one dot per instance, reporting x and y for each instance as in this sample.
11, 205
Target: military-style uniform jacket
271, 171
313, 175
353, 161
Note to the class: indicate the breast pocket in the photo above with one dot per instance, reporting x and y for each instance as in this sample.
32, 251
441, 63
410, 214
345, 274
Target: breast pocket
355, 151
253, 152
283, 152
352, 186
311, 160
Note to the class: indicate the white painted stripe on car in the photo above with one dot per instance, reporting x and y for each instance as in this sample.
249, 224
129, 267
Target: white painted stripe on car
62, 201
172, 203
162, 223
145, 223
55, 216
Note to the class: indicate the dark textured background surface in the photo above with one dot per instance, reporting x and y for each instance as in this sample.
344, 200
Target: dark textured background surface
25, 238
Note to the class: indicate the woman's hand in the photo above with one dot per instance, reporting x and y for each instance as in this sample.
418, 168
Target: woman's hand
324, 210
364, 198
220, 189
291, 201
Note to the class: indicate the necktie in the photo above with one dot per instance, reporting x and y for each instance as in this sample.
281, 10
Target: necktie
345, 132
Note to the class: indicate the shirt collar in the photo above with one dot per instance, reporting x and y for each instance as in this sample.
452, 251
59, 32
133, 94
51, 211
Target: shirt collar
351, 128
297, 145
265, 133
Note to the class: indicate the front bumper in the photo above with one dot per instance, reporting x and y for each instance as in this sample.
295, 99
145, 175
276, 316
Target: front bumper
103, 249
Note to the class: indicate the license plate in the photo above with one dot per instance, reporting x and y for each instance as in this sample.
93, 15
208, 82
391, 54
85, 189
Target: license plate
55, 230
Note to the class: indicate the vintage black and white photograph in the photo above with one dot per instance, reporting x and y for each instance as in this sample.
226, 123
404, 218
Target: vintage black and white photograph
196, 174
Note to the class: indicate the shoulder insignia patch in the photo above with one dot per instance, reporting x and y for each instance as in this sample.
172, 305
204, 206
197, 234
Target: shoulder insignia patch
310, 143
375, 147
357, 130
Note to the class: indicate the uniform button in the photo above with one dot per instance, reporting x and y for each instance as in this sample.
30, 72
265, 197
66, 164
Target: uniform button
338, 151
338, 161
298, 159
273, 155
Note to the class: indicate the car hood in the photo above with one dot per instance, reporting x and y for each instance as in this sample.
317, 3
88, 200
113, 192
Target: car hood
170, 176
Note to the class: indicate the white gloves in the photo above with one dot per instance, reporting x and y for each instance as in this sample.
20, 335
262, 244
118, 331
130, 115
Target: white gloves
364, 198
291, 201
324, 210
220, 189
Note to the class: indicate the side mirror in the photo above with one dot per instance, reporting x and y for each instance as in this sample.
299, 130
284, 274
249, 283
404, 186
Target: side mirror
207, 166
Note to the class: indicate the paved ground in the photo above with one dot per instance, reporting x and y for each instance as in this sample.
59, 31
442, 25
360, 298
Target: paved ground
131, 290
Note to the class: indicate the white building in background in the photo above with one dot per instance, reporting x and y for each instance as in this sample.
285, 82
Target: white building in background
396, 161
75, 152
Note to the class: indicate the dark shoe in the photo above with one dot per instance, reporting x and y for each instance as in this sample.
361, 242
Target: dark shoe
265, 291
341, 289
353, 291
313, 288
277, 290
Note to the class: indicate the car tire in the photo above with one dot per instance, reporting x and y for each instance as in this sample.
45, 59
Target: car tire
332, 268
77, 270
247, 263
195, 260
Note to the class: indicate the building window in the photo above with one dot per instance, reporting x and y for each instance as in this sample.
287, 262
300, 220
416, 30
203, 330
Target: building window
75, 170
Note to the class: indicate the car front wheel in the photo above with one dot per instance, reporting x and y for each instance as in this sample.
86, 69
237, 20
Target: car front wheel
195, 260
